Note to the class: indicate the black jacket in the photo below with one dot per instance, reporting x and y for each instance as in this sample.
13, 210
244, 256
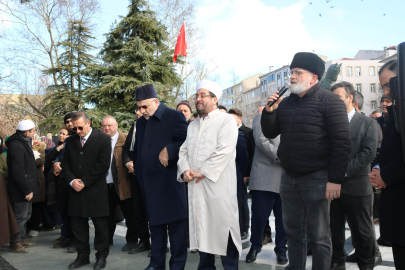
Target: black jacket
364, 134
242, 158
250, 143
90, 164
392, 169
315, 133
22, 170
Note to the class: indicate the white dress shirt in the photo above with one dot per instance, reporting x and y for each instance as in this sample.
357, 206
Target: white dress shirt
351, 114
114, 140
85, 140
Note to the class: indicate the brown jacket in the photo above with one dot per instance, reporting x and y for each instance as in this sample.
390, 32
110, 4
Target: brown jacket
8, 224
124, 187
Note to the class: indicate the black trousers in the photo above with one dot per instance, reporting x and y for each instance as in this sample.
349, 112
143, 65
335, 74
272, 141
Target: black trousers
399, 256
178, 245
358, 210
127, 209
141, 220
229, 262
35, 221
245, 210
80, 228
63, 208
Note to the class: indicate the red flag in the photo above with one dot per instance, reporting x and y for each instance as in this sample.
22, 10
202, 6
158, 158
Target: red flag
181, 46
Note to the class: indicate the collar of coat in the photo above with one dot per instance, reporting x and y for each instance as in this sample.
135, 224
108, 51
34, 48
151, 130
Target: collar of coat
121, 139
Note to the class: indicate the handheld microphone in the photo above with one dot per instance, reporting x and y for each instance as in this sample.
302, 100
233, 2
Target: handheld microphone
280, 93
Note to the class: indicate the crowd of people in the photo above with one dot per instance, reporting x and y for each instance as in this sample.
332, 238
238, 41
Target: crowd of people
312, 158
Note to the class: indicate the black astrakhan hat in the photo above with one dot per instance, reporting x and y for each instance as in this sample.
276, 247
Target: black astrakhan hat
145, 92
310, 62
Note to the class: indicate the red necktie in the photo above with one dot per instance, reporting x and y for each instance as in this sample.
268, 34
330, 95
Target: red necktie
82, 139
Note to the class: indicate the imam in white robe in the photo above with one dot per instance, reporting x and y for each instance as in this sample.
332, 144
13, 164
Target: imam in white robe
210, 148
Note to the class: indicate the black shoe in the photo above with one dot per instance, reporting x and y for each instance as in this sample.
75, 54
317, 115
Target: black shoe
378, 259
64, 243
139, 248
79, 263
384, 243
336, 266
72, 249
100, 263
352, 258
366, 268
309, 251
251, 256
129, 246
282, 258
151, 268
244, 235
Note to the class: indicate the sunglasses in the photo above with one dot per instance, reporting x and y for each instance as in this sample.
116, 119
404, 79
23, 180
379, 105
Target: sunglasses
68, 121
78, 128
146, 106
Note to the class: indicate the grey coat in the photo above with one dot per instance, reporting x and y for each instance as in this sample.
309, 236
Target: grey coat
364, 134
266, 168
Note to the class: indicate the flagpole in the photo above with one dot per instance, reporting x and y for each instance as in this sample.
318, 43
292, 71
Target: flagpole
185, 66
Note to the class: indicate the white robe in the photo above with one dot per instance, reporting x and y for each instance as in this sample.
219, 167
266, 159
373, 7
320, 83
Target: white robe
210, 148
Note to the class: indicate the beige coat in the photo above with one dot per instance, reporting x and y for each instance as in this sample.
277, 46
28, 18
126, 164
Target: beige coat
124, 185
210, 148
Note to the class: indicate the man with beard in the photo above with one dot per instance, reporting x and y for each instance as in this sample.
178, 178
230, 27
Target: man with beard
207, 163
159, 134
314, 151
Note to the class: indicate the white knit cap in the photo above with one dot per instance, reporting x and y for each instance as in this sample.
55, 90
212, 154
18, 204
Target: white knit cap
25, 125
210, 86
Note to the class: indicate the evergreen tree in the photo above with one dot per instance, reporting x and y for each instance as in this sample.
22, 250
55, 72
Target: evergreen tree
68, 95
135, 53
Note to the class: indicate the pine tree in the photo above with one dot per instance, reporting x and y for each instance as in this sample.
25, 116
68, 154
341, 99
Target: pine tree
68, 95
135, 53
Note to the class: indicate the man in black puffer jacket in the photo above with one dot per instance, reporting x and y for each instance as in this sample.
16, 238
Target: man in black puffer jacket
314, 151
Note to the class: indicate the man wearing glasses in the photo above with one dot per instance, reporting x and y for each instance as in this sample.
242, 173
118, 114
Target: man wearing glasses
314, 151
85, 163
160, 132
207, 163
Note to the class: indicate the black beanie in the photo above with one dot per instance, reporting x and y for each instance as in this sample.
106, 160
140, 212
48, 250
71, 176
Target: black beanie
68, 116
310, 62
387, 97
145, 92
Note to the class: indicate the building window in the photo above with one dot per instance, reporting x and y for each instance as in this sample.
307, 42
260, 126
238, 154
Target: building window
240, 88
278, 76
247, 96
371, 71
358, 87
230, 91
372, 87
374, 105
285, 74
224, 93
358, 71
253, 94
349, 71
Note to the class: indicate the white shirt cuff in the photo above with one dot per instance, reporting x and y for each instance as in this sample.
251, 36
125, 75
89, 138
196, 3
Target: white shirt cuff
72, 181
377, 166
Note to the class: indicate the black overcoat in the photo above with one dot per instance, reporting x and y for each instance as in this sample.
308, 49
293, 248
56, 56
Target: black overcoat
22, 170
165, 197
90, 164
392, 201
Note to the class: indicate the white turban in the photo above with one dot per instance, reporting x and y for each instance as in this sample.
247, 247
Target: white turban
25, 125
210, 86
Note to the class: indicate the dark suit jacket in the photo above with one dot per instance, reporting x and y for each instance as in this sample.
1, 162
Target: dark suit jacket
250, 143
364, 135
90, 164
392, 201
164, 196
242, 159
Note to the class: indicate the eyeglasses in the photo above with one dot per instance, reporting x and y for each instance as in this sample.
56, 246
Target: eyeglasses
385, 86
201, 96
68, 121
146, 106
297, 72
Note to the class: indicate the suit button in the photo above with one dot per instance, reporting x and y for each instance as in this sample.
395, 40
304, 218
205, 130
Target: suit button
80, 167
81, 153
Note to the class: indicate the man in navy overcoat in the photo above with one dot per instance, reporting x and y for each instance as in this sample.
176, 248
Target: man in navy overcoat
159, 134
